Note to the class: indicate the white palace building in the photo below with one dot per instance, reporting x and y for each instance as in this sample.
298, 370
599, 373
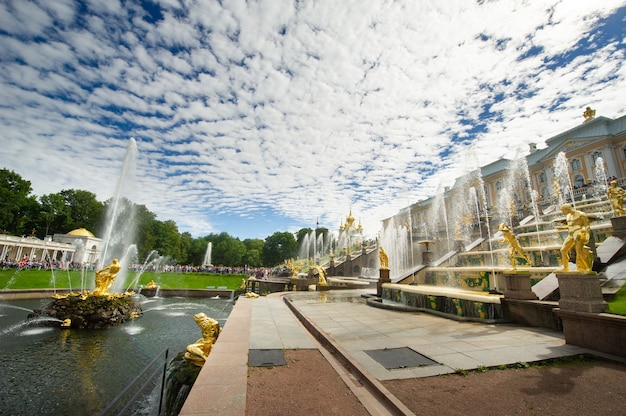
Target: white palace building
596, 139
78, 246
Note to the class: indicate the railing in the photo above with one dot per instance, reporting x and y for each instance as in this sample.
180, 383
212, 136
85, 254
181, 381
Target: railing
121, 404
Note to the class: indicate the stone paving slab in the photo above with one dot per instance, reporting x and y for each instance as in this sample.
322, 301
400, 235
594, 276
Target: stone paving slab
343, 316
454, 345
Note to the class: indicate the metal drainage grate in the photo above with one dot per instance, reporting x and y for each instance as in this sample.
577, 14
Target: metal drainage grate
392, 358
266, 358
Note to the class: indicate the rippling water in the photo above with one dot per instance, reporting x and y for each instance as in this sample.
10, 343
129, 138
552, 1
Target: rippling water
54, 371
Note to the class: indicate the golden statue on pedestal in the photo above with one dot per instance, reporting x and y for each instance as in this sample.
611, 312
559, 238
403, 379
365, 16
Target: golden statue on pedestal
578, 233
105, 278
616, 196
198, 352
515, 250
384, 259
321, 276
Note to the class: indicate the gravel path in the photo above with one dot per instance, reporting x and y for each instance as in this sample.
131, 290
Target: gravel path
308, 386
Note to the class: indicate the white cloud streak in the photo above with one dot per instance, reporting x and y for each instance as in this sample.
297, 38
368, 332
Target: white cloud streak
297, 110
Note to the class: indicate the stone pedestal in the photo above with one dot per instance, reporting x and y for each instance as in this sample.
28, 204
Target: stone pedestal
383, 277
619, 226
580, 293
518, 286
427, 258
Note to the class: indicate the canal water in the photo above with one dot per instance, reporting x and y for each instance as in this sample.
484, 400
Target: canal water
54, 371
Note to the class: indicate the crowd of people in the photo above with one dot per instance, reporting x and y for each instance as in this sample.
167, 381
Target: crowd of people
32, 263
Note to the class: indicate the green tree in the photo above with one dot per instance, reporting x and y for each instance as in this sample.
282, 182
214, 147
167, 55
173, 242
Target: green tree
197, 251
185, 248
166, 239
17, 206
254, 252
83, 210
226, 250
53, 212
145, 236
229, 252
278, 247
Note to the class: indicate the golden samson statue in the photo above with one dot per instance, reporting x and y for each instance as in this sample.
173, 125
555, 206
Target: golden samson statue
105, 278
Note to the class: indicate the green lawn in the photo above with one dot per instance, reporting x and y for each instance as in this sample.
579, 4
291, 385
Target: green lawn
42, 279
618, 305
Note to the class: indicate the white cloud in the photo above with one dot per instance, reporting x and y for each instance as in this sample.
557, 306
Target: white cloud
301, 110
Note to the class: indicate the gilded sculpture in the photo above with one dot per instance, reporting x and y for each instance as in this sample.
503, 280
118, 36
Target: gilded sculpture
578, 227
321, 275
616, 196
589, 114
515, 250
198, 352
105, 278
384, 259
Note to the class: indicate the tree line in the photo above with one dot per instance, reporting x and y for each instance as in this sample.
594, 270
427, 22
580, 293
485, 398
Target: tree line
22, 213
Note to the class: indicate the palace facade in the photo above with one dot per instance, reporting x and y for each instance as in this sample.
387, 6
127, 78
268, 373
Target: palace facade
594, 153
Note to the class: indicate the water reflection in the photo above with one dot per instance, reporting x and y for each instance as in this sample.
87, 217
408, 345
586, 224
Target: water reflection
51, 371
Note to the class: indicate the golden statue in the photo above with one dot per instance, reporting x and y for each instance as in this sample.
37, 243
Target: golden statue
105, 278
321, 276
515, 250
151, 285
384, 259
578, 233
616, 196
198, 352
589, 114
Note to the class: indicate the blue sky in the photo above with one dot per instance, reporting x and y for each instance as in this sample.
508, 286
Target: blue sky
262, 116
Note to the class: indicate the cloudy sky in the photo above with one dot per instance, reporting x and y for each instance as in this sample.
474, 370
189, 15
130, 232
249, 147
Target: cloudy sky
252, 117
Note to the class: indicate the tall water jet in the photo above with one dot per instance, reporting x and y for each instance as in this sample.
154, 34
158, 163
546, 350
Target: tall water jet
600, 185
307, 246
519, 179
439, 216
207, 256
395, 235
562, 183
120, 217
505, 207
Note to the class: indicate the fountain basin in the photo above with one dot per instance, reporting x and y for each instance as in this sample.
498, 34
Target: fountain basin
92, 312
51, 370
453, 303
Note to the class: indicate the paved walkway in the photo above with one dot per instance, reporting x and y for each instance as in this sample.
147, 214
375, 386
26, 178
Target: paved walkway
354, 328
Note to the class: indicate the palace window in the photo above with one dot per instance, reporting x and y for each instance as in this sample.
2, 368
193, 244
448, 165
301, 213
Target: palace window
579, 181
542, 176
576, 165
596, 155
